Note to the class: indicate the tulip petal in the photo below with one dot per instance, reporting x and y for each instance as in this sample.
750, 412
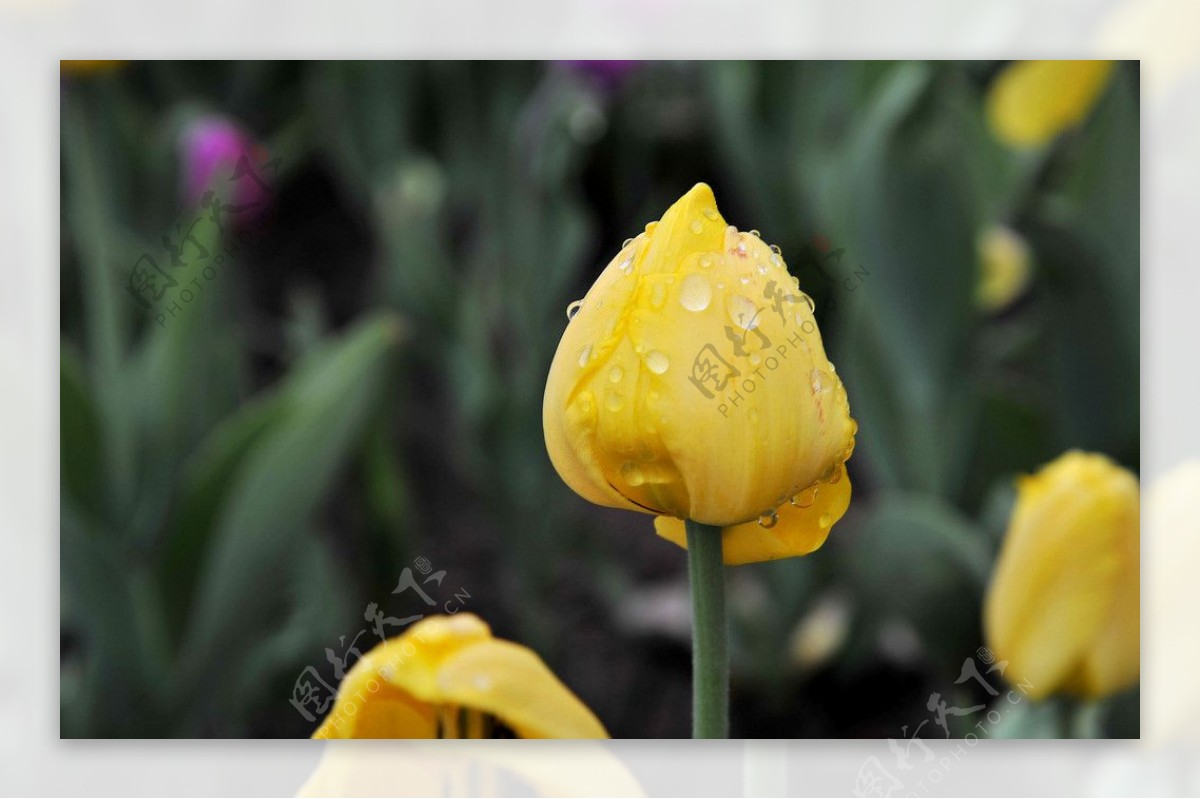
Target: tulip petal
1033, 101
797, 531
453, 662
1056, 608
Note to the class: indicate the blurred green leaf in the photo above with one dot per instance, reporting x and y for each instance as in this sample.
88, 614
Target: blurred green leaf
918, 558
324, 408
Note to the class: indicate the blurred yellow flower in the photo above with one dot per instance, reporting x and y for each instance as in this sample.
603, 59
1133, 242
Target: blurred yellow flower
691, 382
86, 67
1031, 102
1004, 265
447, 677
1063, 605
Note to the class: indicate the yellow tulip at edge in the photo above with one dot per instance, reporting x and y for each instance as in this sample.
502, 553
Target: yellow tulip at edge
1063, 605
691, 383
1031, 102
447, 677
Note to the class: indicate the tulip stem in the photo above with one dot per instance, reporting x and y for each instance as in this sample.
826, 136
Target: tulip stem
710, 651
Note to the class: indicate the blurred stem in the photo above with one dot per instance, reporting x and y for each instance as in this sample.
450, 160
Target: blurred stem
710, 650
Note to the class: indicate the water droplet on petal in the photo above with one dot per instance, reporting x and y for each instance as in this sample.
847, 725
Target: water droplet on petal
762, 269
705, 261
585, 354
744, 280
742, 312
805, 498
482, 682
695, 293
614, 401
755, 358
632, 474
626, 243
812, 306
626, 263
697, 226
711, 213
756, 234
615, 374
657, 296
825, 521
768, 519
657, 362
650, 226
775, 249
775, 260
573, 309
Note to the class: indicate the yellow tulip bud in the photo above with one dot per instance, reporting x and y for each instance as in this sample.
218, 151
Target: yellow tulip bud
691, 382
1004, 263
1063, 607
1031, 102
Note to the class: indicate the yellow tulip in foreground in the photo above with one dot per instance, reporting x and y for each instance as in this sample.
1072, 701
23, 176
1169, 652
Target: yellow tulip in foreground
1031, 102
1063, 606
447, 677
691, 383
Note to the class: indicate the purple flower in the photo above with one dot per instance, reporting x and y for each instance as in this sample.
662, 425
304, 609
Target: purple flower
211, 148
607, 73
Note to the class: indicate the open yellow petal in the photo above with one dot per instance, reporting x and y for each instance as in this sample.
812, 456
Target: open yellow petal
1031, 102
513, 684
446, 663
798, 530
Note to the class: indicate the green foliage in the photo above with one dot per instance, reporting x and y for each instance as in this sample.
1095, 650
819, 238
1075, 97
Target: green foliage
364, 385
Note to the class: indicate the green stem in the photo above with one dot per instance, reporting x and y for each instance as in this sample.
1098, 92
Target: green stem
710, 652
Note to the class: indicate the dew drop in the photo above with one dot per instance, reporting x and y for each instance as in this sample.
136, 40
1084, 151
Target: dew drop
762, 269
775, 260
756, 234
614, 401
825, 521
697, 226
657, 296
744, 280
626, 243
705, 261
775, 249
585, 354
615, 374
768, 519
819, 383
742, 312
573, 309
657, 362
711, 213
632, 474
626, 263
695, 293
755, 358
650, 226
812, 306
482, 682
805, 498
